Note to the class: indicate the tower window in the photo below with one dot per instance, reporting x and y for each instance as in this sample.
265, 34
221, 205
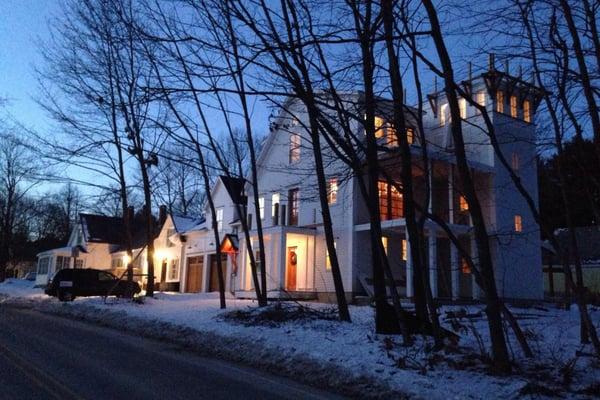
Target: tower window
518, 224
513, 107
527, 111
500, 101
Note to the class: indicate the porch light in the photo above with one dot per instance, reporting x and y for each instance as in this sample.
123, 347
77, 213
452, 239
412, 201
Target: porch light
126, 259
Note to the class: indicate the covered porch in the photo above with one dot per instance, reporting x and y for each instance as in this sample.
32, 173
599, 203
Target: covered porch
449, 275
290, 263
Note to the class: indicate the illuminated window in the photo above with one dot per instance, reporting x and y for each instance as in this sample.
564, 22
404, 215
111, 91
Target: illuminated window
327, 259
384, 241
481, 98
390, 136
404, 250
379, 127
515, 161
332, 190
462, 204
410, 135
261, 207
500, 101
518, 224
390, 201
219, 212
465, 267
295, 141
444, 114
527, 111
513, 107
462, 105
274, 203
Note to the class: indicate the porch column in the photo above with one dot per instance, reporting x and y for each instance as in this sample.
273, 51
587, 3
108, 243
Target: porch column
205, 273
409, 269
475, 257
432, 244
455, 270
282, 258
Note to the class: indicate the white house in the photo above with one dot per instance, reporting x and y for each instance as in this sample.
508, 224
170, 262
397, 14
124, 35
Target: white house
295, 251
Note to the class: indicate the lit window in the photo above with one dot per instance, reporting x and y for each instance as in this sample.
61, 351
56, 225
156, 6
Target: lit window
515, 161
79, 263
295, 141
404, 250
384, 241
390, 135
465, 267
527, 111
332, 189
274, 203
500, 101
462, 203
444, 114
219, 213
174, 272
513, 107
390, 201
481, 98
327, 259
410, 135
518, 224
261, 207
379, 127
462, 105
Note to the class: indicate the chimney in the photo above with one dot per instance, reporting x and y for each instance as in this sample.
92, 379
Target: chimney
162, 215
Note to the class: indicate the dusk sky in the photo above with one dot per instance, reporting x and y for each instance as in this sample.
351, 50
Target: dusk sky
22, 23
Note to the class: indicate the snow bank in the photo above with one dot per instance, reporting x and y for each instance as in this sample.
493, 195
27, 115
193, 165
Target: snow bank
347, 357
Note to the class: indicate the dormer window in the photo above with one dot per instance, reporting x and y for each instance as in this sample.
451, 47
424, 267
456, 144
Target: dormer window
500, 101
295, 142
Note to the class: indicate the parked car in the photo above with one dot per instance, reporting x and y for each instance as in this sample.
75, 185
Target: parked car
67, 284
30, 276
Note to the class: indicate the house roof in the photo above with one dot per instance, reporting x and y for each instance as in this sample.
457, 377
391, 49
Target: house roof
235, 188
102, 229
185, 223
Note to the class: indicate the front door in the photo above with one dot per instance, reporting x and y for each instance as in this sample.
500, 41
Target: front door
213, 284
163, 275
195, 268
291, 269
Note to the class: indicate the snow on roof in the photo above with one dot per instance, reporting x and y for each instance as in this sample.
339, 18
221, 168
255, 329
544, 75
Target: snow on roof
185, 224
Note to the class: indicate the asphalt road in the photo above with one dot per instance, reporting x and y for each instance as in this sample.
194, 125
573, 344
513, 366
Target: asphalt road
48, 357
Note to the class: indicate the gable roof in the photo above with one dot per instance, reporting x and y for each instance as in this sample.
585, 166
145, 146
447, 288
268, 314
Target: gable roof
235, 189
183, 223
102, 229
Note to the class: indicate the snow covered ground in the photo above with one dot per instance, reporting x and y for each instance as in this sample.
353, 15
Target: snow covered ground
355, 351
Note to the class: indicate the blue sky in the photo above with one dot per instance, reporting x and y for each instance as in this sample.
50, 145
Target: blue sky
22, 23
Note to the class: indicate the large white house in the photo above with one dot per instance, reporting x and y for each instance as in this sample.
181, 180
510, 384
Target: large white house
296, 258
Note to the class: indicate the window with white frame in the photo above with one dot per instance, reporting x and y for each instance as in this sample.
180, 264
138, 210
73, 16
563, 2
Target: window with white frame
261, 207
43, 265
219, 212
170, 232
174, 271
62, 262
481, 98
295, 142
275, 198
332, 190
